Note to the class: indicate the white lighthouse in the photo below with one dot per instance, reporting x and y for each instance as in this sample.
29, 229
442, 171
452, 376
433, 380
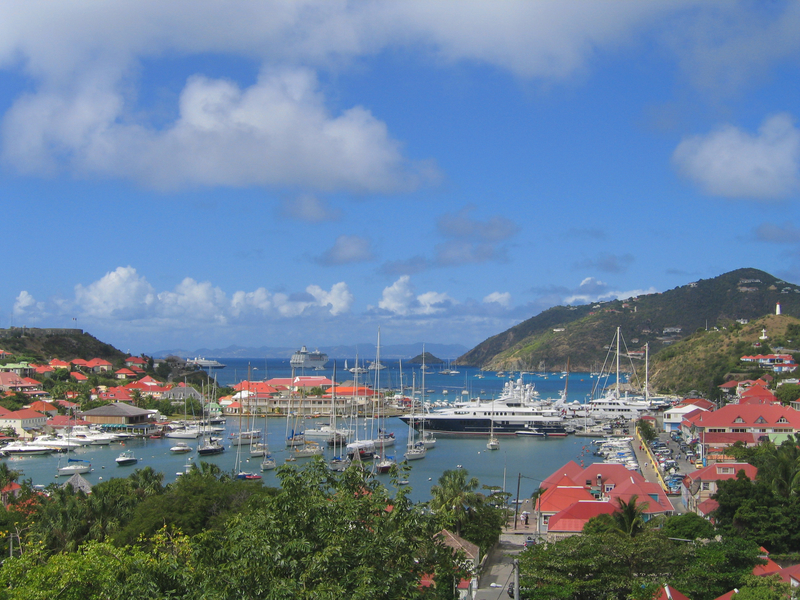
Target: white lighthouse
777, 308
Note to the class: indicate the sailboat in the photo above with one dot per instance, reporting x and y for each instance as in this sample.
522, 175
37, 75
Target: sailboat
416, 450
385, 439
267, 462
209, 446
358, 370
340, 461
238, 468
493, 443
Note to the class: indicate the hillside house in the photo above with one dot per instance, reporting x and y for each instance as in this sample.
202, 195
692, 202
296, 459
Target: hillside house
700, 485
26, 423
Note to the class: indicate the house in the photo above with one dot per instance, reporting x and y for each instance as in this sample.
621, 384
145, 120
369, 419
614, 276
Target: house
24, 422
11, 382
181, 393
44, 408
748, 422
573, 495
78, 376
120, 416
23, 369
57, 363
124, 374
11, 490
700, 485
136, 361
673, 417
469, 551
98, 365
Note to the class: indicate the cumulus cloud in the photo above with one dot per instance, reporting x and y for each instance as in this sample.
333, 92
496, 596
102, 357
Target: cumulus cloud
125, 295
347, 249
410, 266
81, 111
595, 290
121, 294
503, 299
308, 208
26, 303
276, 132
400, 299
733, 163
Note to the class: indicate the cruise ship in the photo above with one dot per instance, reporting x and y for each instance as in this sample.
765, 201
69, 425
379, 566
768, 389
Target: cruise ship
518, 409
303, 359
204, 363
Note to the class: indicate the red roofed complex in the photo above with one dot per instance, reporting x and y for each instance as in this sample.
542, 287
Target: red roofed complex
757, 420
573, 495
24, 422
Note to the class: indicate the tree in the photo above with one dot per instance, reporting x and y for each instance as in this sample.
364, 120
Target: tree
629, 518
454, 498
769, 587
646, 430
689, 526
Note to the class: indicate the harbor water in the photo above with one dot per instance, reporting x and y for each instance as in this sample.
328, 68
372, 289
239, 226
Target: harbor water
527, 460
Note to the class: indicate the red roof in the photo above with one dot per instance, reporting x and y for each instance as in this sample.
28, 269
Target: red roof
571, 470
668, 592
42, 406
61, 421
574, 517
706, 507
78, 376
23, 414
559, 497
722, 470
746, 415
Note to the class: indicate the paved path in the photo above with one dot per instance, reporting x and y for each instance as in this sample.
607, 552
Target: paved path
499, 570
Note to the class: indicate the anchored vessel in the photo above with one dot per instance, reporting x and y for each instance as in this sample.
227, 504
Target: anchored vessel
517, 409
303, 359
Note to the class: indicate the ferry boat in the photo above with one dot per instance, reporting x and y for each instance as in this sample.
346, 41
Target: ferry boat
517, 409
303, 359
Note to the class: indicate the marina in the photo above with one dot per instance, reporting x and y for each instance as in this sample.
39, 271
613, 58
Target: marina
540, 454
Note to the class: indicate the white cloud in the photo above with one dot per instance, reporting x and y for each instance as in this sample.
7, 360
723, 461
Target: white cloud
120, 294
733, 163
594, 290
503, 299
276, 132
399, 298
81, 112
24, 303
339, 299
347, 249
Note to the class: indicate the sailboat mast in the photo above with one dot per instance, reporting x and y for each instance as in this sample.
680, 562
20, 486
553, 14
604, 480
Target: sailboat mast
647, 371
617, 382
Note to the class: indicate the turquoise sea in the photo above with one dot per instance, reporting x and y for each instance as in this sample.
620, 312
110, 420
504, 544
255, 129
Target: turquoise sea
530, 459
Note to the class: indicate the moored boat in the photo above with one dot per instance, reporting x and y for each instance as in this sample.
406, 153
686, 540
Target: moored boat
126, 458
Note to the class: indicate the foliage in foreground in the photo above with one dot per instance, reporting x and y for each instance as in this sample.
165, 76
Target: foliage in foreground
613, 565
320, 535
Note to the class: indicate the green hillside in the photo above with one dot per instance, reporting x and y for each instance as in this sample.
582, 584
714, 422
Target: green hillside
707, 359
41, 345
582, 333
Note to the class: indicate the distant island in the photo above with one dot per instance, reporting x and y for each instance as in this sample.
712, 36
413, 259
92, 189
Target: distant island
427, 358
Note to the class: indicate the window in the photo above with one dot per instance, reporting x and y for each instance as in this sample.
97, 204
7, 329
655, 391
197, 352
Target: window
706, 486
738, 420
761, 420
725, 470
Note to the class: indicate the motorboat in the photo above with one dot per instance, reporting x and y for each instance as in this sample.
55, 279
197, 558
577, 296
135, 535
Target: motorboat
126, 458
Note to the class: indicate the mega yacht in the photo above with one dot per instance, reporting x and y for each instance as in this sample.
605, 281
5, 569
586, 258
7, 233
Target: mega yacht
517, 409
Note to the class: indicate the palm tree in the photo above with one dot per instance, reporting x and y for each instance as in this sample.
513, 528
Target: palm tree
781, 467
629, 518
455, 498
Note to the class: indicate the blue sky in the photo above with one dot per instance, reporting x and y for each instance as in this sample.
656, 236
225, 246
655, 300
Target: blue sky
202, 174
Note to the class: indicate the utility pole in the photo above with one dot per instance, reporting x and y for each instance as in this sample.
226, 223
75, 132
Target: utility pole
516, 579
516, 503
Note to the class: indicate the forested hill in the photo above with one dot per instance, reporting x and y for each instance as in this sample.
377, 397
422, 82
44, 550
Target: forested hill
582, 333
40, 345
